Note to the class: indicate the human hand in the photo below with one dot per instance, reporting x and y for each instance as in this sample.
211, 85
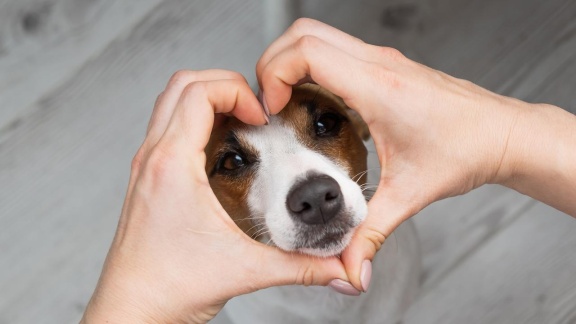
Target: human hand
436, 136
177, 256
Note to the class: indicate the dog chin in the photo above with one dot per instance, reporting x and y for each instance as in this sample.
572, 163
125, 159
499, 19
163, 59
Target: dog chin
320, 241
333, 248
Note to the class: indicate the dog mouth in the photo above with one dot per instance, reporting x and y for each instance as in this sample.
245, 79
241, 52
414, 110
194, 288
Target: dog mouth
324, 242
325, 239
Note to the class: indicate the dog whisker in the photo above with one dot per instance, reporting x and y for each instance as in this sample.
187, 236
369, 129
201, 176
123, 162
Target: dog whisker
261, 231
268, 242
250, 218
368, 184
255, 235
257, 227
359, 175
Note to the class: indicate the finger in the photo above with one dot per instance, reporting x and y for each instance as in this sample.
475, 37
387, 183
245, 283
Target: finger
191, 123
384, 216
330, 67
277, 268
166, 102
309, 27
155, 112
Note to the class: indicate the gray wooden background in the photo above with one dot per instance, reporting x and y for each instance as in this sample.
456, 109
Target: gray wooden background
78, 79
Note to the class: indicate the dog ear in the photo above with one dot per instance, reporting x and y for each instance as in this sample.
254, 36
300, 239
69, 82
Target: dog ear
358, 123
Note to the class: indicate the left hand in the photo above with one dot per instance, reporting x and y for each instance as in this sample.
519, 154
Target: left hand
177, 256
436, 136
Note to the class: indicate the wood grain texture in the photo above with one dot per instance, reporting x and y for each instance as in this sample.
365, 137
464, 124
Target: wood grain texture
525, 274
453, 229
64, 169
43, 42
489, 256
526, 51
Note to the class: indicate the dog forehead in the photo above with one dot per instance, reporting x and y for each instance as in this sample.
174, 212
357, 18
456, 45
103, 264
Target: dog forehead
289, 131
276, 137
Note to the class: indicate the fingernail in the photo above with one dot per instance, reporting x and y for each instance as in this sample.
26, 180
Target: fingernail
343, 287
263, 103
366, 274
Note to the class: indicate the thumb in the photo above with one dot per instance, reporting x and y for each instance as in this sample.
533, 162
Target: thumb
280, 268
384, 216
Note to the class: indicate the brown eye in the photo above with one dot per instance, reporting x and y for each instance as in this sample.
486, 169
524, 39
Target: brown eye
327, 125
231, 161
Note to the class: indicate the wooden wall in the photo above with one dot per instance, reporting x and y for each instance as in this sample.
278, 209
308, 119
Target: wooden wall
78, 79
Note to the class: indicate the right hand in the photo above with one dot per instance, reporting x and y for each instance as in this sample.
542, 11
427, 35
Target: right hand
436, 136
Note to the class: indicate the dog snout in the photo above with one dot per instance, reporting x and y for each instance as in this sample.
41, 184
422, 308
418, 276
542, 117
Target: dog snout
316, 200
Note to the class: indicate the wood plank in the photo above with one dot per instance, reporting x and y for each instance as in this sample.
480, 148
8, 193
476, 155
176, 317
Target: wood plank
64, 168
525, 274
538, 68
487, 40
553, 80
452, 229
43, 42
446, 35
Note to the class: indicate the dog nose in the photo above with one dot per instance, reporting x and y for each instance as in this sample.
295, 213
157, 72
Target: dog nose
315, 200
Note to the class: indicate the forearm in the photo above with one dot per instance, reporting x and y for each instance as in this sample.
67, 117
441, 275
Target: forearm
540, 159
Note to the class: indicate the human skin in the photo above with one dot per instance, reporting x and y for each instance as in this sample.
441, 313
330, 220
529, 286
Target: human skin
436, 136
178, 257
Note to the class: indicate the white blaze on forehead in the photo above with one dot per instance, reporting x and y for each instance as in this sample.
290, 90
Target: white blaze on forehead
283, 160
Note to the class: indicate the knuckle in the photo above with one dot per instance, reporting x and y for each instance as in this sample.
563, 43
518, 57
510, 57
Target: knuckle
306, 276
306, 43
159, 97
392, 53
137, 161
193, 89
237, 76
302, 25
181, 76
260, 66
375, 237
158, 164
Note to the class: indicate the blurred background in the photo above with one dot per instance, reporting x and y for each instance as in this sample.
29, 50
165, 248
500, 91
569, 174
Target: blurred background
78, 79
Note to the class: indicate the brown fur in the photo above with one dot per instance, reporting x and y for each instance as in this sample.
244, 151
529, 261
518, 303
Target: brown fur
346, 149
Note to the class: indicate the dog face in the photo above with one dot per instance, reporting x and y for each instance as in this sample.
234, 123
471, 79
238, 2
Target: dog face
291, 183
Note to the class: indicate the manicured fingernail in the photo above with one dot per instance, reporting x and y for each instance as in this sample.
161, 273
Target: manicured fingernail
263, 102
343, 287
366, 274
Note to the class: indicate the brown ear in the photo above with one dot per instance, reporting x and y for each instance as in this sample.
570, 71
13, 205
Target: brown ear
359, 125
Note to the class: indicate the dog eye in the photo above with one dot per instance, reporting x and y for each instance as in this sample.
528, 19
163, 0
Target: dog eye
327, 125
231, 161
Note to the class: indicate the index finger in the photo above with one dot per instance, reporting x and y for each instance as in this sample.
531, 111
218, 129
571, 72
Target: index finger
330, 67
309, 27
193, 118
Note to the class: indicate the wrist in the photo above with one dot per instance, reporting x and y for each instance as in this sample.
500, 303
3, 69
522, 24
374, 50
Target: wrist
103, 308
122, 301
540, 155
132, 299
511, 158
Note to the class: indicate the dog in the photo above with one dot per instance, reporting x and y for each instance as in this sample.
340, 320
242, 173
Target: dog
300, 183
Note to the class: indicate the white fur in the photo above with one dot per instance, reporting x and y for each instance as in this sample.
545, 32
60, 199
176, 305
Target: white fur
396, 268
280, 166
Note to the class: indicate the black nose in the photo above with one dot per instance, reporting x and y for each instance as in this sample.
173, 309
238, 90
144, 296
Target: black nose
315, 200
